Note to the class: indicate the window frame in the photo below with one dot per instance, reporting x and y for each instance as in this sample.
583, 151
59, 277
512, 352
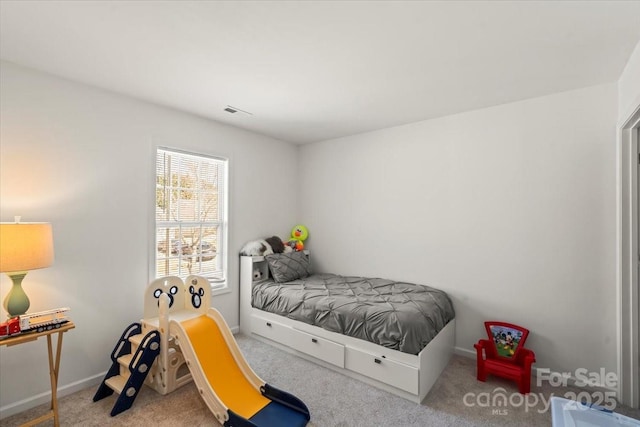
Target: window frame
218, 286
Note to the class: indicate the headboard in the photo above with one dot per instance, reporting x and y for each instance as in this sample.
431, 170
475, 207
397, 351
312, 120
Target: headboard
249, 264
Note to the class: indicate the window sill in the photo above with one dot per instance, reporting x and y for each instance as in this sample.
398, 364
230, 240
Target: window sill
220, 290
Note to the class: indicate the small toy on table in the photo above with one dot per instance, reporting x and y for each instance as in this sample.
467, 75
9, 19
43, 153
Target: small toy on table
34, 322
504, 354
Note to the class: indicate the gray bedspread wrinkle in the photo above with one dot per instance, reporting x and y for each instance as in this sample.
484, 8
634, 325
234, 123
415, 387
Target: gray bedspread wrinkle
397, 315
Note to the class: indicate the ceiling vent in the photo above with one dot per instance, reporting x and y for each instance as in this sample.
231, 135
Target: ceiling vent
234, 110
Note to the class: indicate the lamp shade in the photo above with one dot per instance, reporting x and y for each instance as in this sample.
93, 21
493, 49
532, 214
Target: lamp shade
25, 246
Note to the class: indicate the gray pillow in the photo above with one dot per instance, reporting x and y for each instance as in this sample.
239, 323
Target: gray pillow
290, 266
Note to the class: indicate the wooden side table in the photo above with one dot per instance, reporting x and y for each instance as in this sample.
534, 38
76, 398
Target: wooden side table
54, 366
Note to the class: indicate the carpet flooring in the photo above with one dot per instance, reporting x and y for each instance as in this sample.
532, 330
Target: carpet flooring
334, 400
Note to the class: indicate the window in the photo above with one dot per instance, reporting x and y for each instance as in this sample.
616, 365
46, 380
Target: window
191, 215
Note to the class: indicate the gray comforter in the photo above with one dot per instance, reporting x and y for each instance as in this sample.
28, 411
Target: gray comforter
396, 315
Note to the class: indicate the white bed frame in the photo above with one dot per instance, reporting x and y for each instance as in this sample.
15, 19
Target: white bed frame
406, 375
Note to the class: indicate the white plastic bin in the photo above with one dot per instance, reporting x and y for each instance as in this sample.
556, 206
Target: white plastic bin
569, 413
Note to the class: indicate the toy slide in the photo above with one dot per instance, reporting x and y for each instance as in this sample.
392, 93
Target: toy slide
229, 387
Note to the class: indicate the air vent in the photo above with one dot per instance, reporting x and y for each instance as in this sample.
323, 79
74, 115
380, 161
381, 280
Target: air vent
234, 110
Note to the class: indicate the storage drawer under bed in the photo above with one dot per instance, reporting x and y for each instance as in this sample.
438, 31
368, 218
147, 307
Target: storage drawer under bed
269, 329
388, 371
317, 347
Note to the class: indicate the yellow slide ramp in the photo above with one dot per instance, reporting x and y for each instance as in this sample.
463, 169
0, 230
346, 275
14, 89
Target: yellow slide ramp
223, 377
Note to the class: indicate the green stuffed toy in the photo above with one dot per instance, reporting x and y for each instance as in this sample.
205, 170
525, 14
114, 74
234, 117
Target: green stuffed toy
298, 235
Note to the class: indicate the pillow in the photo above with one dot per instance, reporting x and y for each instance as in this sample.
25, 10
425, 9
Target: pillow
290, 266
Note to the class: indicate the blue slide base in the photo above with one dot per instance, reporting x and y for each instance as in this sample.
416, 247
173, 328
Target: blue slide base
284, 410
278, 415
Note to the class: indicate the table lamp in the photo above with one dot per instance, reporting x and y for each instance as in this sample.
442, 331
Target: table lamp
24, 246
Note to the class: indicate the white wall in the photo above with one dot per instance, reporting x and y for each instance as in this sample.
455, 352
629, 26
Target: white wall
629, 87
83, 159
510, 209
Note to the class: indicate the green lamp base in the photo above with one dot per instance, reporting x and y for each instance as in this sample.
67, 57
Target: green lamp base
16, 302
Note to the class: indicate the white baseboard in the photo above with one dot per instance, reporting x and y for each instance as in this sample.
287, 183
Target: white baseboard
464, 352
42, 398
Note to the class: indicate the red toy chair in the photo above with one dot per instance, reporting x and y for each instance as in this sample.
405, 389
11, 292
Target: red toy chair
505, 355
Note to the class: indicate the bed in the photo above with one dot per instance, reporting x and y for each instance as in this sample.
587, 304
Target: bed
394, 335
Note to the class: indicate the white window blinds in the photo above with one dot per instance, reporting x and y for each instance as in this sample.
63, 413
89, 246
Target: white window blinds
190, 217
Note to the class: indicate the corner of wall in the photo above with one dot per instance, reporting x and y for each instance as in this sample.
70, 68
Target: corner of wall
629, 87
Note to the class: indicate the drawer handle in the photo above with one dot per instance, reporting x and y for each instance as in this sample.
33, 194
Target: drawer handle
314, 340
378, 361
268, 324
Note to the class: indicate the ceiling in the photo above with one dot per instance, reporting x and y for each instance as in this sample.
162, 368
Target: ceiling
316, 70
